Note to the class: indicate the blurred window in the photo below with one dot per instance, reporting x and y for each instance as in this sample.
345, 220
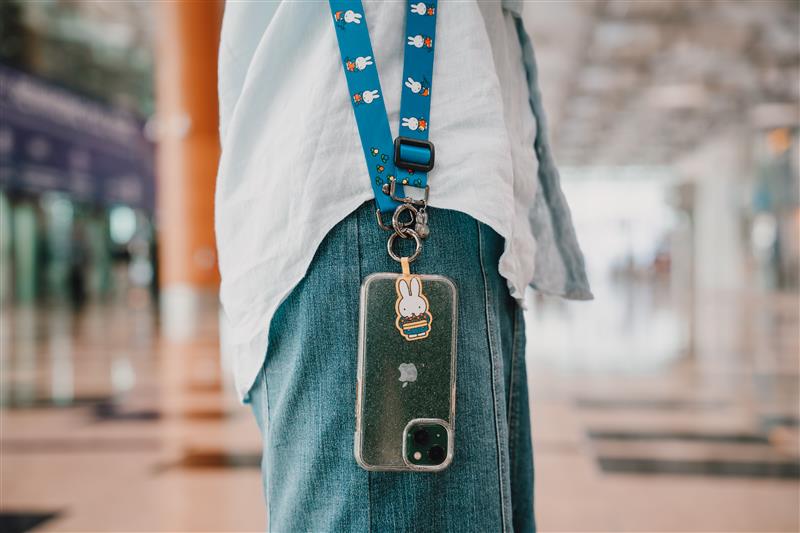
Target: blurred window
122, 221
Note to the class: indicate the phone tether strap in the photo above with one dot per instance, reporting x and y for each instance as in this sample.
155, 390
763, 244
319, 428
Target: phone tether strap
407, 159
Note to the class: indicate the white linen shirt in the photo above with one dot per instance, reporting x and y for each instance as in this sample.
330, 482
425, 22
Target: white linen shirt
292, 165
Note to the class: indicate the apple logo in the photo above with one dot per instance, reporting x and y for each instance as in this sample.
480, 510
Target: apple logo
408, 373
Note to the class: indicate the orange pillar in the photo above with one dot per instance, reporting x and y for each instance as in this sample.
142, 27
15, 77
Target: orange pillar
187, 40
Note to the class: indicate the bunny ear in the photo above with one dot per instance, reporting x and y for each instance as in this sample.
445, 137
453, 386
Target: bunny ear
404, 288
415, 286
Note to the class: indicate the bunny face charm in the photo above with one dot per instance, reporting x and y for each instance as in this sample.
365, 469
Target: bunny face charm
413, 316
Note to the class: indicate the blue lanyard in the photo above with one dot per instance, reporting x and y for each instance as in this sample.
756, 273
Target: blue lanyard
407, 159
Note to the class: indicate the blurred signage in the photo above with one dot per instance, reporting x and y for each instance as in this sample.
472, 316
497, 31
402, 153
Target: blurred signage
54, 140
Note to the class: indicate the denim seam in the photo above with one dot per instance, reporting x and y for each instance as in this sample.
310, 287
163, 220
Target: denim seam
359, 250
493, 357
513, 367
513, 415
265, 417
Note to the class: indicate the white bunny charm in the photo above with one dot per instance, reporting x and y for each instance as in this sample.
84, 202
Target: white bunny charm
413, 315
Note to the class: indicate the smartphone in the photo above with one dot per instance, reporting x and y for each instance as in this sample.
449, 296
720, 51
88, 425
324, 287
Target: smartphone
406, 383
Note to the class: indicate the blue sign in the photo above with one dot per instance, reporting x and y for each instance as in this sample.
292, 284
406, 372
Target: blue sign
54, 140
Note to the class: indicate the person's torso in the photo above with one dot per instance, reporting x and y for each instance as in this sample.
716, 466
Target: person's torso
292, 164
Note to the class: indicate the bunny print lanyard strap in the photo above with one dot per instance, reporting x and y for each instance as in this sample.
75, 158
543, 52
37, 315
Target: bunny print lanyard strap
397, 169
407, 159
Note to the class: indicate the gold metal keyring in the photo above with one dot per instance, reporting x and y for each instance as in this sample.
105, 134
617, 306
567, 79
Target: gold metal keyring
417, 242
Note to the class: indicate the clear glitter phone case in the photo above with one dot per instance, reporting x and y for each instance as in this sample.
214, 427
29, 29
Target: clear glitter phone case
405, 400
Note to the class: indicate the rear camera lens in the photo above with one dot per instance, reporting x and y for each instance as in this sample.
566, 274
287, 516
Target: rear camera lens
422, 437
436, 454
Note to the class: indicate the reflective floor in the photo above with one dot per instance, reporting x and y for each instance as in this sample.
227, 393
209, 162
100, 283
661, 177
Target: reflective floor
652, 412
657, 414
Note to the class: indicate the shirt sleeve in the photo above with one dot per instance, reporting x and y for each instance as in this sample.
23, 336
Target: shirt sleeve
560, 268
513, 6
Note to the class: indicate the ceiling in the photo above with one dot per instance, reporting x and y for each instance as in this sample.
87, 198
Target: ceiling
638, 82
102, 49
625, 82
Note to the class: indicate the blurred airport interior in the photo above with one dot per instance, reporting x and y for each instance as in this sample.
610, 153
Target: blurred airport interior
670, 403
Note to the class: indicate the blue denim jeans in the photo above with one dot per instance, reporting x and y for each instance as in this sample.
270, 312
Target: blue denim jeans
305, 396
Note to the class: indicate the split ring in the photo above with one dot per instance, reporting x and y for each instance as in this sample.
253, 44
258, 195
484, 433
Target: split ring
417, 243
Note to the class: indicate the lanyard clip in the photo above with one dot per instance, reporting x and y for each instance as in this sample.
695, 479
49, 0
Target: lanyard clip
414, 154
420, 199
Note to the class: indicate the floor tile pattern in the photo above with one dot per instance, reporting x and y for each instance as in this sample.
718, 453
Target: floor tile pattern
107, 426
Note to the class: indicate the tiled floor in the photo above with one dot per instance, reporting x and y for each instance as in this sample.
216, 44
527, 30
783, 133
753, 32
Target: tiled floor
649, 415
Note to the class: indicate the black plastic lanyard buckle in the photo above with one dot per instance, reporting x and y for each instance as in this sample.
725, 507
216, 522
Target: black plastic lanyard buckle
422, 166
